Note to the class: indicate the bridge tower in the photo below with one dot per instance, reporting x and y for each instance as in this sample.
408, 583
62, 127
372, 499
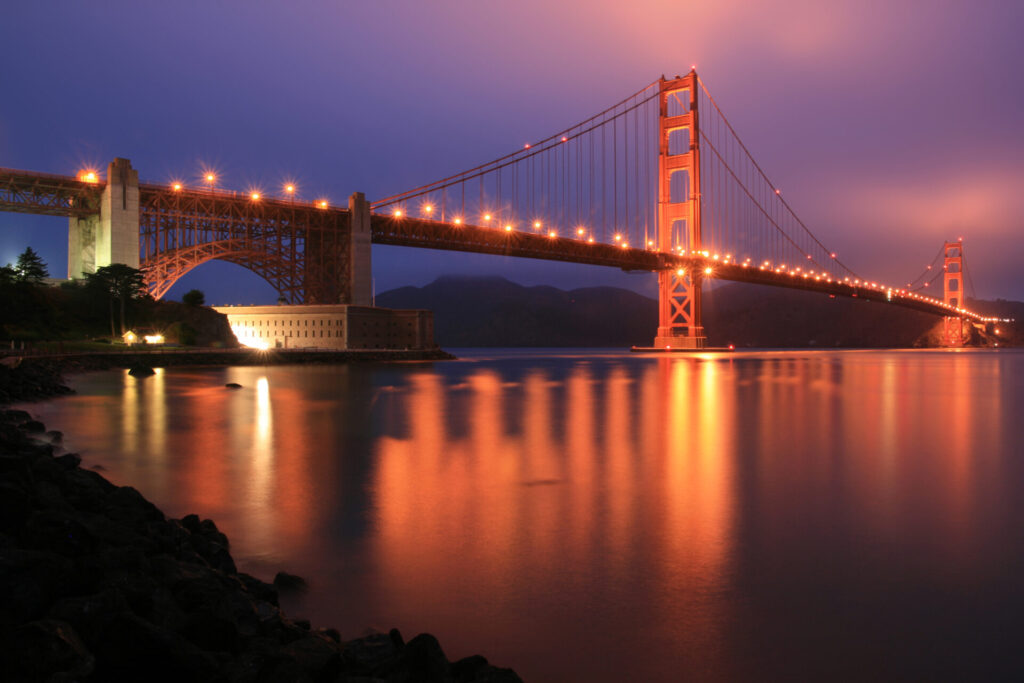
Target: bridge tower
679, 309
955, 327
112, 234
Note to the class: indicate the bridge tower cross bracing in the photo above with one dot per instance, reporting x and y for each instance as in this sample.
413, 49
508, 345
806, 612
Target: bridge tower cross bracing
679, 289
954, 327
112, 234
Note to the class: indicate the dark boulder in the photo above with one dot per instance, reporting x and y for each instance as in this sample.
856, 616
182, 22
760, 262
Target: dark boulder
13, 416
69, 461
141, 371
15, 507
422, 659
90, 613
284, 581
131, 649
260, 590
211, 632
32, 581
59, 532
47, 649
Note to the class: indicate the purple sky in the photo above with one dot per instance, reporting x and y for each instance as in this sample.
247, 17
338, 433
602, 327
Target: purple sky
890, 126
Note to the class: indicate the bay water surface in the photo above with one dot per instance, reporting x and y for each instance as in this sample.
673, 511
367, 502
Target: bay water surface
588, 515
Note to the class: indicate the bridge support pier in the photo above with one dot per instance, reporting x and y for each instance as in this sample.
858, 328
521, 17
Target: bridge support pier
679, 310
112, 236
360, 271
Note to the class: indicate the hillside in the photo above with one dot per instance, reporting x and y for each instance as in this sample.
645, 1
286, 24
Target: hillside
492, 311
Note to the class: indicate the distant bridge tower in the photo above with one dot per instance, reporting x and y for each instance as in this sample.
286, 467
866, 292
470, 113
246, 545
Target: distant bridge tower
679, 310
112, 234
955, 327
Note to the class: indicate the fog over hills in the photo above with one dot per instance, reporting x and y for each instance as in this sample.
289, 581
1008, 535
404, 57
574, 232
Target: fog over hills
492, 311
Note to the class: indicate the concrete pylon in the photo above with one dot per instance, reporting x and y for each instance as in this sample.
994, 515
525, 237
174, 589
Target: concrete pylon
360, 283
112, 235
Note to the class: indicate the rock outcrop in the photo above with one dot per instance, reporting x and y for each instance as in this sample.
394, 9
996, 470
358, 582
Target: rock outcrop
99, 585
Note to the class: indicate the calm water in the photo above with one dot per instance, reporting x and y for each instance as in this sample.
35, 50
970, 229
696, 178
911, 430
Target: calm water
587, 516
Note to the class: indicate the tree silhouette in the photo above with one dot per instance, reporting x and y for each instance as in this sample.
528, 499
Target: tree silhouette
120, 282
194, 297
30, 267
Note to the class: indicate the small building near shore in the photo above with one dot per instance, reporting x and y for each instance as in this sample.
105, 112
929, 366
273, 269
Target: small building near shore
330, 326
142, 335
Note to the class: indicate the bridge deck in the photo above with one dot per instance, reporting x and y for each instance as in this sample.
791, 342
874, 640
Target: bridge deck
60, 195
430, 234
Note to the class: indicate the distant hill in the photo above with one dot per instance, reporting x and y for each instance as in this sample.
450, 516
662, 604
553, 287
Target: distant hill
492, 311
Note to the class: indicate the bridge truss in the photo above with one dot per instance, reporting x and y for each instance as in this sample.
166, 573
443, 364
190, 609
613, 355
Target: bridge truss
298, 248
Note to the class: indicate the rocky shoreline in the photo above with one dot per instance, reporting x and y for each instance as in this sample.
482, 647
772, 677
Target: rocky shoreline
99, 585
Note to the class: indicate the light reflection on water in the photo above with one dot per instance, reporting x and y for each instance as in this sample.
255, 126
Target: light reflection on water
605, 516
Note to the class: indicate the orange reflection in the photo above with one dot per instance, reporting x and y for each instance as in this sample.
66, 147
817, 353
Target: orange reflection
571, 488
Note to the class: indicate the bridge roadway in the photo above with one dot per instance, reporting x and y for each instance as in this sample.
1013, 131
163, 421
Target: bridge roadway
430, 234
57, 195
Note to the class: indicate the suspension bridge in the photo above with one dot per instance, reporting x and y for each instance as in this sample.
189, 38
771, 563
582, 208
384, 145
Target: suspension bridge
660, 181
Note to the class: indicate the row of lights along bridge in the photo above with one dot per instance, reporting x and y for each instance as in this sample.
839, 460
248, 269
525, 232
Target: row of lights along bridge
90, 176
582, 233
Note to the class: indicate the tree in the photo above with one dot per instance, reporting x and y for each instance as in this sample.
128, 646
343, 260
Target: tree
8, 275
120, 282
31, 268
194, 297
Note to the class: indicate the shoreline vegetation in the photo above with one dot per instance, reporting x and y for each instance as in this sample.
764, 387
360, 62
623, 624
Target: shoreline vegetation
99, 585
